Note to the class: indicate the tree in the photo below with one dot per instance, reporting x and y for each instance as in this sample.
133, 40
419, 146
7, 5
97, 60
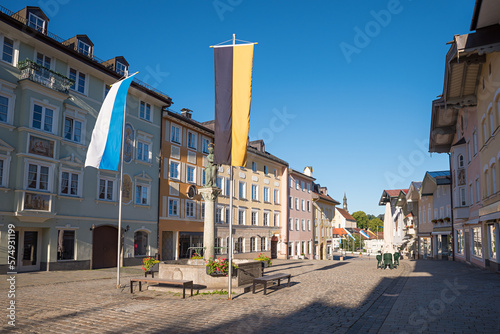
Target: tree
361, 219
372, 224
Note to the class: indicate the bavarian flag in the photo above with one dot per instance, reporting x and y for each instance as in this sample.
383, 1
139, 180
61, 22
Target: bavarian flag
233, 91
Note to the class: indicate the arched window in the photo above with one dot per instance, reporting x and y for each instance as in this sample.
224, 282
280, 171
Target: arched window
263, 243
485, 132
460, 161
487, 184
493, 179
140, 243
492, 122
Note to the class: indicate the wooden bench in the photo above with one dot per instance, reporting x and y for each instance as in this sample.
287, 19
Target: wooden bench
265, 279
162, 281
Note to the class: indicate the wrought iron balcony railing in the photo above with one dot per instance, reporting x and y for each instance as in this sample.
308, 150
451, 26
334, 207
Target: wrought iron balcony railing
44, 76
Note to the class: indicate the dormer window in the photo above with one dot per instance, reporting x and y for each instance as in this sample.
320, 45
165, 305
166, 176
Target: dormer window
121, 68
36, 23
84, 48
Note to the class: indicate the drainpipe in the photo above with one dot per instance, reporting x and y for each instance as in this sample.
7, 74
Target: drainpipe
451, 218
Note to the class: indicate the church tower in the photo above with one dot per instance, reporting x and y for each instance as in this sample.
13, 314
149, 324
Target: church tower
345, 203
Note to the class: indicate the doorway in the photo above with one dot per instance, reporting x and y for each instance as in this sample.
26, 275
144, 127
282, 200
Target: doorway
104, 247
187, 240
274, 247
28, 252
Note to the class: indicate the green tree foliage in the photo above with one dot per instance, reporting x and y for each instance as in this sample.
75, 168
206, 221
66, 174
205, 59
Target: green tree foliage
373, 223
361, 219
364, 220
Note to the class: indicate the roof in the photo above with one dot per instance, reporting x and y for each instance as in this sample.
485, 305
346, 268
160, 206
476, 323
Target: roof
434, 179
294, 171
387, 195
325, 198
439, 174
339, 231
409, 215
485, 14
345, 214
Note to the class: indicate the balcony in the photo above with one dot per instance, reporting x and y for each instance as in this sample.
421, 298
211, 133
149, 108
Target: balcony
44, 76
461, 212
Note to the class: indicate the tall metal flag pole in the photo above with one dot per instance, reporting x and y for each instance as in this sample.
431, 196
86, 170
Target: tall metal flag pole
120, 201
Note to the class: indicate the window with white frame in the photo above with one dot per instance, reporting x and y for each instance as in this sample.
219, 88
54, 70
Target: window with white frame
145, 111
308, 224
275, 173
73, 129
460, 161
267, 194
8, 50
191, 174
38, 176
477, 243
255, 192
463, 200
297, 204
478, 193
487, 183
265, 170
205, 144
254, 166
218, 246
253, 244
302, 186
242, 216
36, 22
290, 202
308, 187
79, 80
290, 182
175, 170
494, 178
238, 247
263, 244
84, 48
297, 184
297, 224
173, 207
106, 189
471, 195
65, 245
242, 190
308, 206
203, 177
276, 221
191, 140
175, 134
265, 218
143, 150
290, 224
226, 215
3, 171
460, 241
492, 241
303, 222
474, 142
141, 243
142, 194
43, 118
70, 183
218, 214
276, 196
492, 122
255, 218
6, 108
228, 187
44, 61
121, 68
219, 183
190, 209
303, 204
202, 209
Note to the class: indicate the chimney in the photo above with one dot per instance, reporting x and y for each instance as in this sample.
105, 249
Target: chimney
308, 171
185, 112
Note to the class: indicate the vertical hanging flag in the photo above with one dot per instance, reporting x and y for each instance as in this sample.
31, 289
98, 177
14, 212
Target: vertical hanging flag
233, 91
105, 144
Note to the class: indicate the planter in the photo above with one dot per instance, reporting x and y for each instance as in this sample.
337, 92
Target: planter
264, 264
221, 274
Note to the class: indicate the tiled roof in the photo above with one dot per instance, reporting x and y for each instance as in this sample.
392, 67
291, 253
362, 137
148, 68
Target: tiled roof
327, 198
409, 215
395, 192
339, 231
346, 214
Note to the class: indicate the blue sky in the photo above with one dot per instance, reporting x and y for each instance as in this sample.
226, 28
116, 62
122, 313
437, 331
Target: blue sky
343, 86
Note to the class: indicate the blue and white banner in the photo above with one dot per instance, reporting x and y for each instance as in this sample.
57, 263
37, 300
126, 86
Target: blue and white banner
105, 144
364, 234
349, 234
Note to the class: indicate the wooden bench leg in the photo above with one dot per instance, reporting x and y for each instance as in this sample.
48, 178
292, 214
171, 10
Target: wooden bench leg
184, 291
140, 286
191, 289
131, 286
279, 279
253, 288
265, 287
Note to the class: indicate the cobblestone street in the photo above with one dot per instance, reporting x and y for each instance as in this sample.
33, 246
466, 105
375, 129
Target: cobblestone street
325, 297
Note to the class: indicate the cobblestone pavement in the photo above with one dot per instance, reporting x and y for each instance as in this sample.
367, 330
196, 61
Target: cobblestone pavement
325, 297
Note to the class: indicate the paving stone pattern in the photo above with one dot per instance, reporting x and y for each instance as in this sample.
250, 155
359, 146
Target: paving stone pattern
325, 297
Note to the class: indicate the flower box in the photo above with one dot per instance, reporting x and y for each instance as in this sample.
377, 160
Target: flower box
221, 273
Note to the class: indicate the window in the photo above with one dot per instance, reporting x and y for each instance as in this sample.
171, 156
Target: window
65, 245
290, 202
276, 219
143, 151
471, 195
190, 209
106, 189
303, 203
79, 79
297, 184
8, 50
140, 243
265, 169
276, 196
255, 218
4, 109
175, 134
474, 142
485, 132
463, 201
121, 68
72, 129
265, 218
275, 173
468, 152
477, 246
36, 23
241, 216
70, 183
84, 48
145, 111
487, 183
174, 170
228, 187
205, 144
308, 187
218, 246
478, 197
296, 203
302, 186
141, 194
297, 224
308, 206
492, 245
238, 247
203, 177
266, 194
254, 166
460, 161
191, 140
303, 222
3, 172
38, 177
44, 61
202, 209
492, 122
255, 192
290, 182
227, 215
460, 241
263, 244
218, 182
191, 174
218, 214
253, 245
43, 118
242, 190
173, 207
494, 179
290, 224
308, 224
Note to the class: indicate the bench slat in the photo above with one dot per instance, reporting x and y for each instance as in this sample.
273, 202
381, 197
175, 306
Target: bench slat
184, 283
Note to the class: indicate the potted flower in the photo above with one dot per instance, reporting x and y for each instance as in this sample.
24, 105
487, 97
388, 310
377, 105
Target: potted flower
147, 265
447, 219
196, 256
440, 220
434, 221
266, 260
219, 267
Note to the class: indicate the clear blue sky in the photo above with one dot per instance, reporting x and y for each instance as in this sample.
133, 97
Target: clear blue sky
356, 115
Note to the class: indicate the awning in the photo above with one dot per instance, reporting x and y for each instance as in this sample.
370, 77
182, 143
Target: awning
491, 216
441, 233
440, 230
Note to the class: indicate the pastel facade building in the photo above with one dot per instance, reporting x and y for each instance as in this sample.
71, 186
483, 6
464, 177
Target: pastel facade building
65, 215
324, 215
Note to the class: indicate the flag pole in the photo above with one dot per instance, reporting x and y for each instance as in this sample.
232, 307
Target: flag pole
120, 200
231, 217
